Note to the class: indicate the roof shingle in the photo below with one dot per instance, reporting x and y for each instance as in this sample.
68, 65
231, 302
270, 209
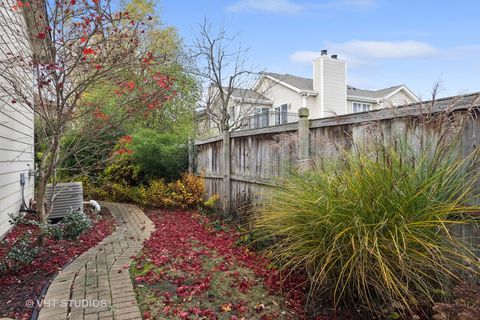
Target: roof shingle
307, 84
248, 94
297, 82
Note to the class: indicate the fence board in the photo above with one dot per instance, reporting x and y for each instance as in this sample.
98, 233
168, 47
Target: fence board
260, 156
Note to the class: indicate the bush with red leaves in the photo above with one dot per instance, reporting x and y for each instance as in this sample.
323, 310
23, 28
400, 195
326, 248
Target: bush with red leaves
27, 284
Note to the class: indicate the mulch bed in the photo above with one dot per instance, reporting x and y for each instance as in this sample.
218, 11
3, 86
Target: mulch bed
27, 284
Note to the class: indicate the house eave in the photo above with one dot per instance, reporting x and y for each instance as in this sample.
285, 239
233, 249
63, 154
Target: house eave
406, 90
308, 93
283, 83
363, 99
253, 101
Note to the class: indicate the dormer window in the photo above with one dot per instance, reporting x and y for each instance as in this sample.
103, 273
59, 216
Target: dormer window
361, 107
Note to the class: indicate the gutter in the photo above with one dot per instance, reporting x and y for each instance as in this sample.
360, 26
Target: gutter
305, 95
308, 93
363, 99
252, 101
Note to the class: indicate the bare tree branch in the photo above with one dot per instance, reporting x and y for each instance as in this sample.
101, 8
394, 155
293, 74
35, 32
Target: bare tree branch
227, 79
52, 53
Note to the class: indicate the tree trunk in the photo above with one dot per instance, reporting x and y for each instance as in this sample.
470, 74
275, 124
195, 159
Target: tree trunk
40, 207
41, 197
47, 168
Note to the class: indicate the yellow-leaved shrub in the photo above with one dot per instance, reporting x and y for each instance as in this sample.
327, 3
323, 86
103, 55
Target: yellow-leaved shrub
185, 193
212, 202
188, 192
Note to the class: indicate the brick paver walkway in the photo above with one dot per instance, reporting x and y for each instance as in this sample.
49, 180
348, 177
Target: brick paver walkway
97, 284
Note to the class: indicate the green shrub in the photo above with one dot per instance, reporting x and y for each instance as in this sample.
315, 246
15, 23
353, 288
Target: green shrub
160, 155
373, 228
74, 224
122, 193
122, 170
86, 159
55, 231
21, 254
253, 238
91, 190
20, 218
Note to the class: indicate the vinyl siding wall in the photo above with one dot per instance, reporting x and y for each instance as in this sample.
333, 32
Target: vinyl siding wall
330, 81
398, 99
16, 134
280, 95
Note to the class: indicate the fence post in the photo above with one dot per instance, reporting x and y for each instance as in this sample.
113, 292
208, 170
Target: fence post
191, 147
303, 138
227, 191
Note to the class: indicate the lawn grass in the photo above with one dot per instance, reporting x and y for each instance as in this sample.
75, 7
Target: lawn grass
191, 270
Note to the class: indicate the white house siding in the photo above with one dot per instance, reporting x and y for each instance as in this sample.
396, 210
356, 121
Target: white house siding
280, 95
314, 110
398, 99
244, 110
16, 135
334, 87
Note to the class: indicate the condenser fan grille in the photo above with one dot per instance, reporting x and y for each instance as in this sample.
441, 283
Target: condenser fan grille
66, 197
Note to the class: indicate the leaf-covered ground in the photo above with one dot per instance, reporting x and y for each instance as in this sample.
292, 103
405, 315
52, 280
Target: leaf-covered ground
27, 284
190, 270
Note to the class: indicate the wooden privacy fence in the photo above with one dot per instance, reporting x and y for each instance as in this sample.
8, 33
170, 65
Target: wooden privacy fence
242, 166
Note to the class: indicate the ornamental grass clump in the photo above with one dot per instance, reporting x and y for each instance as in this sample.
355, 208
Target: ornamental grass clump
373, 228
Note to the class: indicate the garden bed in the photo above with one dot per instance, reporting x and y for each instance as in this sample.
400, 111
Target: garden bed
16, 288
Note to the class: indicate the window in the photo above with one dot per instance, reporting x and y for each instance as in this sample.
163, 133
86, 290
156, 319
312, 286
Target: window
261, 117
277, 115
281, 114
361, 107
284, 113
265, 117
234, 115
256, 117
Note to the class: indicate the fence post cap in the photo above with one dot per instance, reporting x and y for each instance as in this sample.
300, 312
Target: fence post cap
303, 112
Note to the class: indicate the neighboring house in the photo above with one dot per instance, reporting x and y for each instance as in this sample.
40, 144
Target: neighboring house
243, 104
16, 133
326, 94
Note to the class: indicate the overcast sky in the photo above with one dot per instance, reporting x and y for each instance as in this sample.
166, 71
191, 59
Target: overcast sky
385, 43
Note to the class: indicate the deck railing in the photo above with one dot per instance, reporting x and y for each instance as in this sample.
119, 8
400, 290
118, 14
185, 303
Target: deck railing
268, 119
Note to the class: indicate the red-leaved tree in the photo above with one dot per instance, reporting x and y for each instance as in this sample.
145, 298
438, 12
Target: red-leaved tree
54, 52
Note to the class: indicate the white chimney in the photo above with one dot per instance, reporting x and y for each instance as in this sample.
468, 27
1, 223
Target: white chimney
330, 81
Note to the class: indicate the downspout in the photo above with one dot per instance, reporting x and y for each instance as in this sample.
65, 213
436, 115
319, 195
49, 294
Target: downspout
305, 96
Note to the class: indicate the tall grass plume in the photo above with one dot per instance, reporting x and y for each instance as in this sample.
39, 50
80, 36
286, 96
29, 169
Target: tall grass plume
373, 227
